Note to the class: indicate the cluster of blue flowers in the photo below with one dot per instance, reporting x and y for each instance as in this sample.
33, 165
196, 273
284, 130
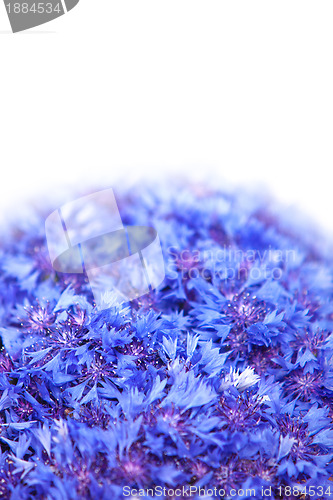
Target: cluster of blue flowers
221, 378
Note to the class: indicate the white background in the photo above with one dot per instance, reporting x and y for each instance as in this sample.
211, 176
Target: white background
240, 90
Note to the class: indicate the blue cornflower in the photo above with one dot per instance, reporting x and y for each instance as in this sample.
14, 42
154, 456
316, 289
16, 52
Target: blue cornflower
221, 377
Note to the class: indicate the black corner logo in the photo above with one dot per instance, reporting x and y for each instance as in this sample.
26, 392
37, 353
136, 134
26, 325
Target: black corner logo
27, 14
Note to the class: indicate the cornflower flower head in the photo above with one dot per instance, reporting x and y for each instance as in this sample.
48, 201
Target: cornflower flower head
24, 409
65, 337
303, 447
144, 355
244, 310
308, 339
304, 385
39, 318
98, 370
239, 413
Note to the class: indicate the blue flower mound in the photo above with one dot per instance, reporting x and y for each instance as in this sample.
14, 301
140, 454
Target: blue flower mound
221, 379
